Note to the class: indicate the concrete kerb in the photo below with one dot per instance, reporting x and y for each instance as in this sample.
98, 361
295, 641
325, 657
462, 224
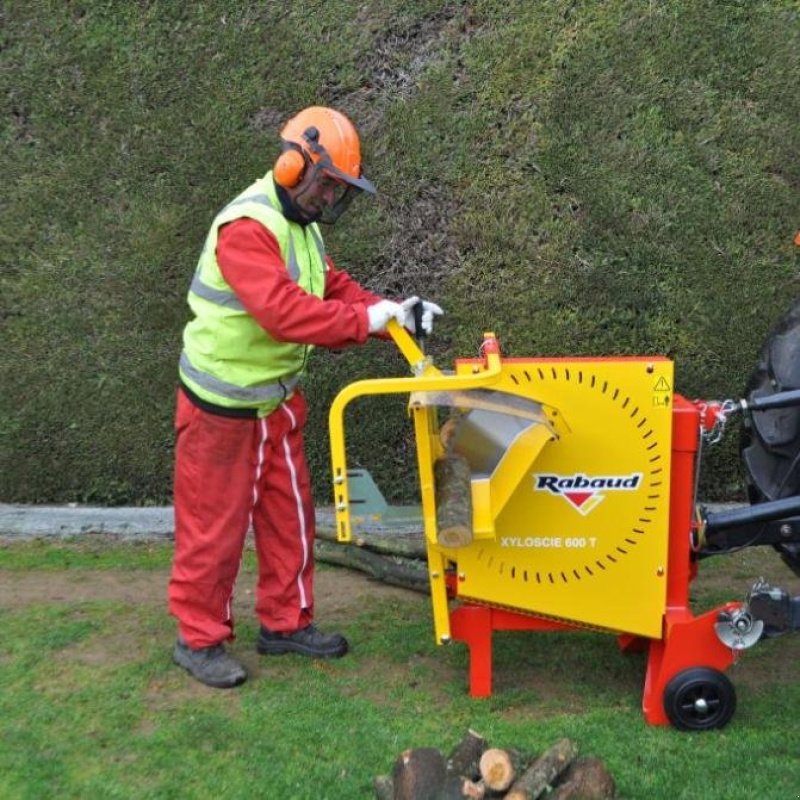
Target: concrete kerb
66, 521
19, 522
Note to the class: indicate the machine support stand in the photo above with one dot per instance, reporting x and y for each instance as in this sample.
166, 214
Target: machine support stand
688, 642
472, 625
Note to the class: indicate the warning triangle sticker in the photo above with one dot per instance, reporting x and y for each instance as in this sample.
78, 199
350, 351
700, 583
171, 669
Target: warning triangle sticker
662, 385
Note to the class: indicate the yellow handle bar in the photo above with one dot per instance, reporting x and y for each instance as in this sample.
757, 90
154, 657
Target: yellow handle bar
427, 379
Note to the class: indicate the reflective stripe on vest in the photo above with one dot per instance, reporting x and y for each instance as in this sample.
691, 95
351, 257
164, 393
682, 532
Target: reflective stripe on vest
251, 394
218, 296
229, 299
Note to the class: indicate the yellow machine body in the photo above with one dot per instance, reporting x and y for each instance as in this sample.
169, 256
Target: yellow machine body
582, 533
572, 519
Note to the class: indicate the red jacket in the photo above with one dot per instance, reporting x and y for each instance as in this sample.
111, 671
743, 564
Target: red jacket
250, 260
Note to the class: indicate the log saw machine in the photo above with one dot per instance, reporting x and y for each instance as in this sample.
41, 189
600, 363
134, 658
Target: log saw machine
560, 494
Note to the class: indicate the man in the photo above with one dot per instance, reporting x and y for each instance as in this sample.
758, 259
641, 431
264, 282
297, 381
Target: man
263, 295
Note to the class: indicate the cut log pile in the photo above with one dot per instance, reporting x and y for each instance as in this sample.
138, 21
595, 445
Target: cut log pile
395, 555
393, 569
475, 770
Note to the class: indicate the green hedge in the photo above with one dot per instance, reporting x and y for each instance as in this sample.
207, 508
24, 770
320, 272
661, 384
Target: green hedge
592, 178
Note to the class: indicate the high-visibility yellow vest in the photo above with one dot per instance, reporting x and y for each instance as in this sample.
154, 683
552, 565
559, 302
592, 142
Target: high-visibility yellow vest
228, 359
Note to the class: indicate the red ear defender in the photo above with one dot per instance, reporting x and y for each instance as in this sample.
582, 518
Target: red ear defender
290, 166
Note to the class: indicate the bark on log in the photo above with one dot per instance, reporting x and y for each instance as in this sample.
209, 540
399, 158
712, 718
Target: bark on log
465, 757
384, 788
392, 570
497, 769
544, 771
586, 779
405, 543
452, 477
419, 774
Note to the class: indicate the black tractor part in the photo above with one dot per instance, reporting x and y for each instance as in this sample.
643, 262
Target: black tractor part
770, 440
779, 612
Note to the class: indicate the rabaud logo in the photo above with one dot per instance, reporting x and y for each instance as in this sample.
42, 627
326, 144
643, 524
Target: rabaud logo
584, 492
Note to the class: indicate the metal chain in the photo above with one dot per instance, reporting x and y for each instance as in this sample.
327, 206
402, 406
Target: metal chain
716, 433
711, 437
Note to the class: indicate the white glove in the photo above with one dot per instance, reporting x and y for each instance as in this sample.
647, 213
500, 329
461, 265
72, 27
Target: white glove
429, 310
381, 312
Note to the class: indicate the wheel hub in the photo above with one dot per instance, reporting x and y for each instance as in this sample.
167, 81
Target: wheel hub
700, 706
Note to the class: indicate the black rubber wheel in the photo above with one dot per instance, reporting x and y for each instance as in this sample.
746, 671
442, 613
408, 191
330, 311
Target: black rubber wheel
699, 699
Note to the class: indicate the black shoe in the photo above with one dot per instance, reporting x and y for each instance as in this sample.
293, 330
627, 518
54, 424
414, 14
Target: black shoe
307, 641
210, 665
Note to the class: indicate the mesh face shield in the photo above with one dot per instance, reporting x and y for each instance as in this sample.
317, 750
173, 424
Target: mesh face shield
346, 186
344, 192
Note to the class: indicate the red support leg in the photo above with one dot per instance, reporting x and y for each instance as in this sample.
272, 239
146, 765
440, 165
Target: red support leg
473, 626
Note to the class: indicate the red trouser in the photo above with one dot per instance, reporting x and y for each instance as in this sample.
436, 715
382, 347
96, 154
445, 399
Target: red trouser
231, 473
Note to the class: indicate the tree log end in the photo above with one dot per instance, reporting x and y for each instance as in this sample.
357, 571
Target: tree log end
497, 769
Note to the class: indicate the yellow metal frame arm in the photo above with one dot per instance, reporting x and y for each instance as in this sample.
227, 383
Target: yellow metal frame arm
429, 379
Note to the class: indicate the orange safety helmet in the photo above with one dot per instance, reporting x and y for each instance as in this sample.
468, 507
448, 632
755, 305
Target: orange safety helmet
323, 137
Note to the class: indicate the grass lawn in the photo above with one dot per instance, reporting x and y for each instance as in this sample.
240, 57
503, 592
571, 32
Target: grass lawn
91, 705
